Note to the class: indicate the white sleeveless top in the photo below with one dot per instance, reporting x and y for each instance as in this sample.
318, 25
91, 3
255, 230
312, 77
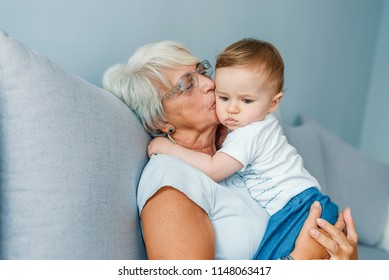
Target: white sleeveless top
239, 222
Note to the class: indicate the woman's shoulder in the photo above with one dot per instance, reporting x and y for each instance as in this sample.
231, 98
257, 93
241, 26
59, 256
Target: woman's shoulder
165, 167
165, 170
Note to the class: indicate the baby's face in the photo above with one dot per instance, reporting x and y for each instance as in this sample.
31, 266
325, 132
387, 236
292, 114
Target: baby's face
242, 96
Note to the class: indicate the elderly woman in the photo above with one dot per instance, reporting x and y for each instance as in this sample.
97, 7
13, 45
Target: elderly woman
184, 214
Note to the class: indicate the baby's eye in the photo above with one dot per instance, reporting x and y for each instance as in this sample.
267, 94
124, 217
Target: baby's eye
223, 98
247, 101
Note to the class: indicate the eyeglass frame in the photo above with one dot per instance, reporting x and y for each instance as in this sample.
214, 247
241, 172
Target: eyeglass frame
204, 65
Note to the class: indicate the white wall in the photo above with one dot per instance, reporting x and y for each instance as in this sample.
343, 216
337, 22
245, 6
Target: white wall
375, 134
328, 45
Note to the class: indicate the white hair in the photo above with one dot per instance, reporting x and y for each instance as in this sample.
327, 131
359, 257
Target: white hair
141, 81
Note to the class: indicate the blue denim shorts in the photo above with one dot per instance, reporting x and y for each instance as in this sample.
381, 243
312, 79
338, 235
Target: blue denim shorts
285, 225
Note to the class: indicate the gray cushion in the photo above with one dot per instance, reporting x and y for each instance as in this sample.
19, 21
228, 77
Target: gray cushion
70, 158
372, 253
357, 181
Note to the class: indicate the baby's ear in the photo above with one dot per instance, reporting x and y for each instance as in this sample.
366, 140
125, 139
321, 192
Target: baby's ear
275, 102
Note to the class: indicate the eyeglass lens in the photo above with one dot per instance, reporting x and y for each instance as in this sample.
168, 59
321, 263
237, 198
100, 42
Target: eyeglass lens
190, 80
204, 68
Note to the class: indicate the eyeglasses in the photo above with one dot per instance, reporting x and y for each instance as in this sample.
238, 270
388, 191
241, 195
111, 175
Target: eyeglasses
190, 80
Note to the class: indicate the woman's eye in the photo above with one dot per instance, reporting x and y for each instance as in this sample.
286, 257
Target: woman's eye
187, 85
201, 71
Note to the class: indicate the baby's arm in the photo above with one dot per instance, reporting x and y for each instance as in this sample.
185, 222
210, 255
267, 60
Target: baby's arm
218, 166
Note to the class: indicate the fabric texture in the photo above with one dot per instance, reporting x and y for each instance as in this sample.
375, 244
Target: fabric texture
308, 145
238, 221
70, 159
384, 243
273, 171
356, 181
284, 226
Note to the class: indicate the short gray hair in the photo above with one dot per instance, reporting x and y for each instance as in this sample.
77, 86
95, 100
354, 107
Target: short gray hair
139, 82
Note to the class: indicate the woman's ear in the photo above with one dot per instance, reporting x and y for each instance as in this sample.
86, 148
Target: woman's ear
275, 102
168, 128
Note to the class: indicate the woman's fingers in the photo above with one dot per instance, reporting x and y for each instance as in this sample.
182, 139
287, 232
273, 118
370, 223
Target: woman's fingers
314, 213
351, 232
340, 223
337, 243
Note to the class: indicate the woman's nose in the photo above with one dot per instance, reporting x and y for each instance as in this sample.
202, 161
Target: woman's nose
206, 83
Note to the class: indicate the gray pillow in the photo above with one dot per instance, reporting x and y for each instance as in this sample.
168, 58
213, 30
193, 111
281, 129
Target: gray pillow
70, 158
354, 180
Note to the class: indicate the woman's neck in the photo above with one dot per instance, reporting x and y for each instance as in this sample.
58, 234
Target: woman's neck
203, 142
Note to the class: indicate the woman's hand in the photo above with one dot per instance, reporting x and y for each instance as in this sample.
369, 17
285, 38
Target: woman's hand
340, 243
305, 247
335, 242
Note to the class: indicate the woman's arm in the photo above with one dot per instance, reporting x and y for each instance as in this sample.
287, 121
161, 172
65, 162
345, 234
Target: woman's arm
174, 227
217, 167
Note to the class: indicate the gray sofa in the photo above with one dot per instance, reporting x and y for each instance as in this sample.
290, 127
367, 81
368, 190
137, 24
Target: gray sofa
71, 155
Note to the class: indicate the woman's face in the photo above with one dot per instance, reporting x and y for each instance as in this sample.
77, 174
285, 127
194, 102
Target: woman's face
194, 110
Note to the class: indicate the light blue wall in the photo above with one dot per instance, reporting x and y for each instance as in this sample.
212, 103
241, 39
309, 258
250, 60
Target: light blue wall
328, 45
375, 137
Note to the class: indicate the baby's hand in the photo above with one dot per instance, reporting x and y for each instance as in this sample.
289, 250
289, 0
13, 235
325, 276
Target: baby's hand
158, 145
